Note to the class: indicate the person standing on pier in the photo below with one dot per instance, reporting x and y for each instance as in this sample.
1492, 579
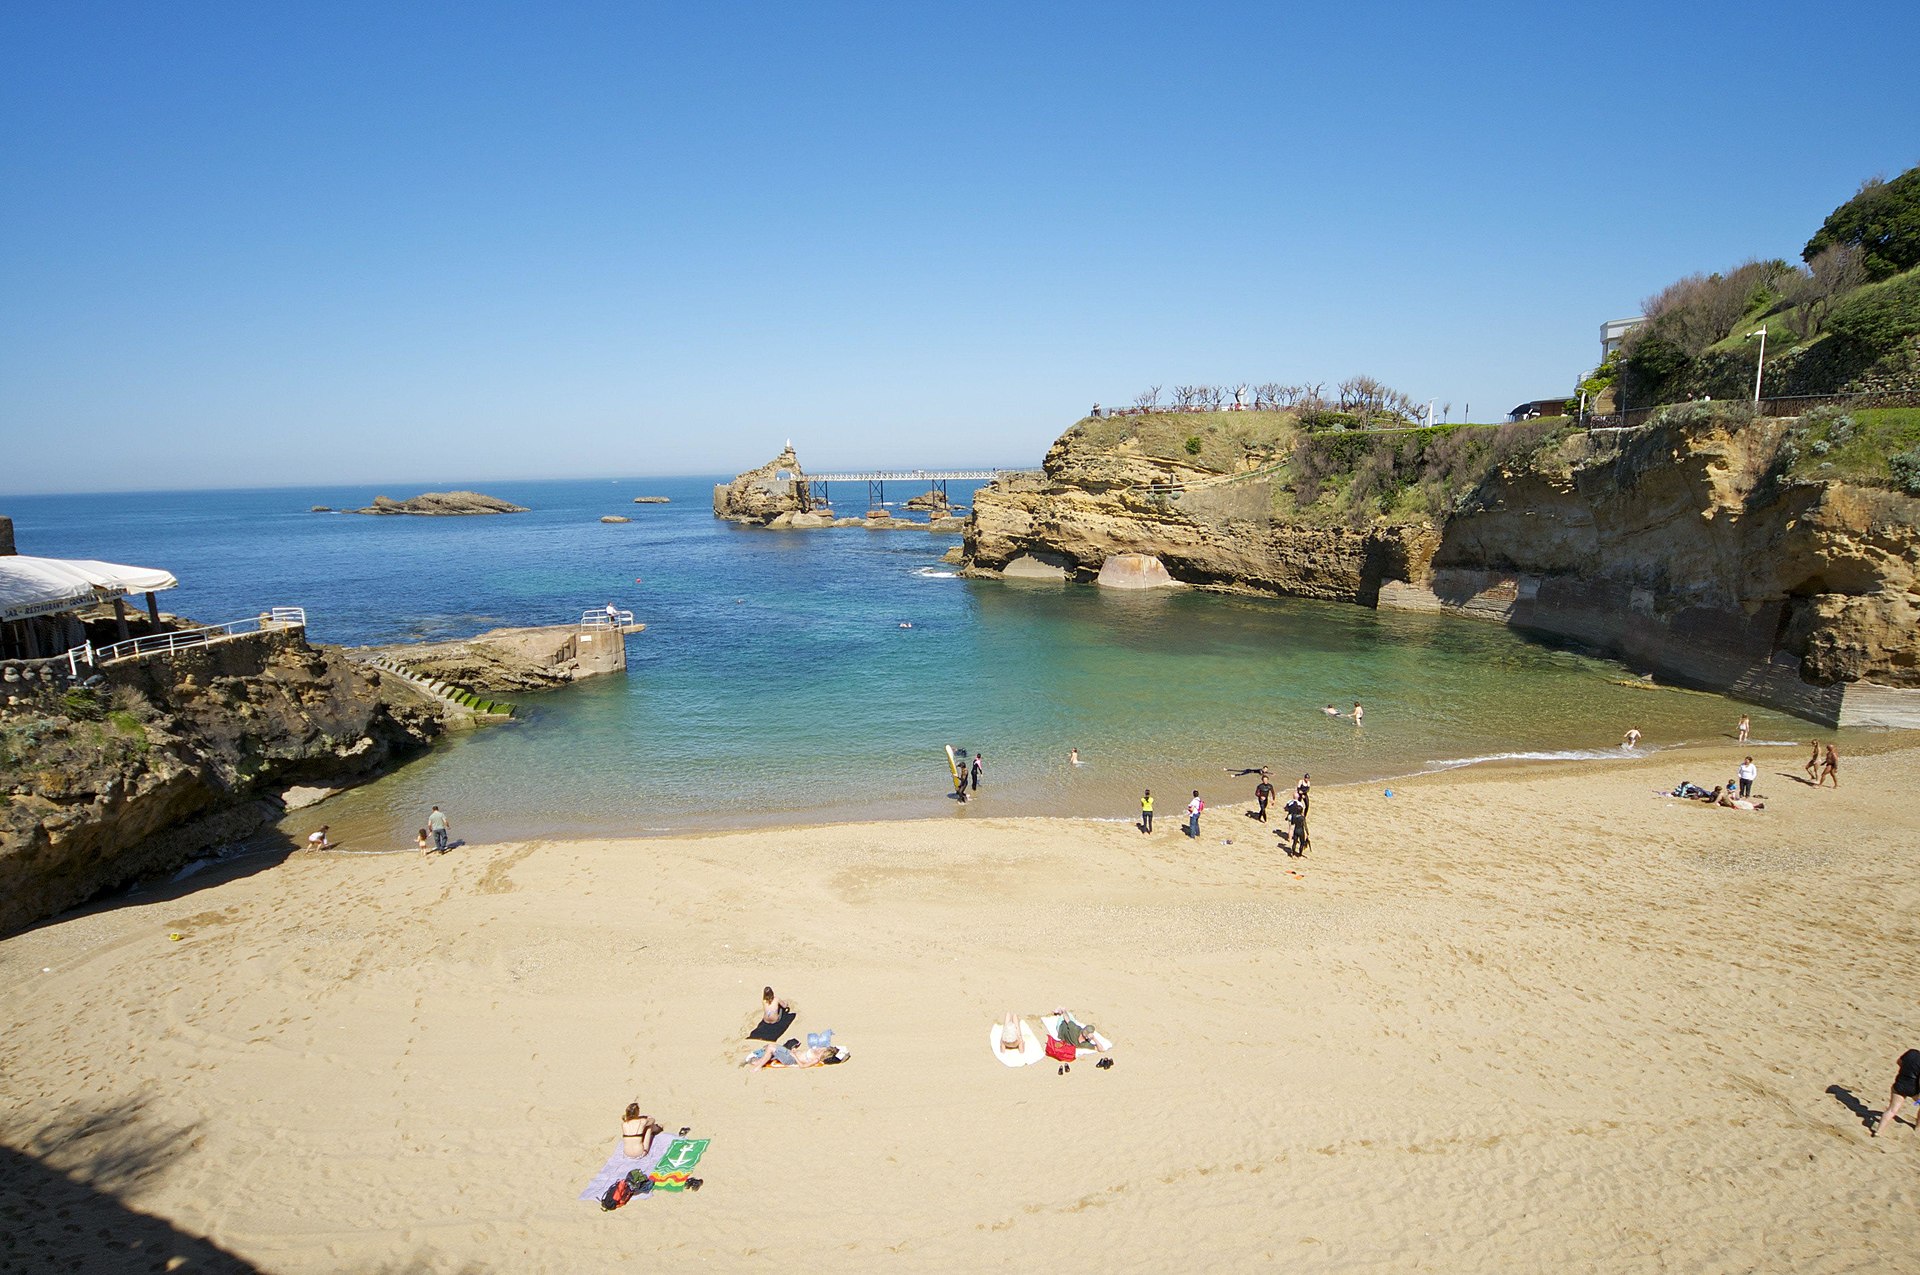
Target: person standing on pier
974, 771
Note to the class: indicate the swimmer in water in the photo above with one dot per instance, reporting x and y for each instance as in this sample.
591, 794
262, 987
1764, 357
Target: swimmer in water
1632, 740
905, 625
1331, 711
1073, 757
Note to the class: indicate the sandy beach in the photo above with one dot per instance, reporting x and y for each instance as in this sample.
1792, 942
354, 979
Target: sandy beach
1506, 1020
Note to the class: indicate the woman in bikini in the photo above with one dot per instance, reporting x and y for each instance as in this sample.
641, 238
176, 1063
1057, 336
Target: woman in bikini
1813, 762
637, 1132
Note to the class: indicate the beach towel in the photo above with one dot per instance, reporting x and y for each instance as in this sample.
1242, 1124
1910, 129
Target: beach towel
1100, 1043
619, 1165
676, 1163
772, 1031
1031, 1050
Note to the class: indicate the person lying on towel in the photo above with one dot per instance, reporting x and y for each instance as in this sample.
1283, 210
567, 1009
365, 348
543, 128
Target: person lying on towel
790, 1055
1079, 1035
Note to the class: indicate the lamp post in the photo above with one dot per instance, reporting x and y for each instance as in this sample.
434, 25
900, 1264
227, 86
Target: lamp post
1761, 366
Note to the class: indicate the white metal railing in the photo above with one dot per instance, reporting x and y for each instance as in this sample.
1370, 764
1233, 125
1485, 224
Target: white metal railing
604, 619
181, 639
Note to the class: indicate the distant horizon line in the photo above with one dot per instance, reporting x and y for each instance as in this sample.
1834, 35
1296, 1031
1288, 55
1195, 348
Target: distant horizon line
468, 485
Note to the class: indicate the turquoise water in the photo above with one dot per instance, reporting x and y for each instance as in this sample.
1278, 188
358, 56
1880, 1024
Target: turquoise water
775, 683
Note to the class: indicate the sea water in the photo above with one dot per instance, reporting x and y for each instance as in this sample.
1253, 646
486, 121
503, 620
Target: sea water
813, 676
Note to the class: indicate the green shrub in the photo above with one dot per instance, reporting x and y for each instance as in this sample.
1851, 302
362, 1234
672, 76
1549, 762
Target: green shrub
1192, 444
1877, 320
81, 703
1905, 469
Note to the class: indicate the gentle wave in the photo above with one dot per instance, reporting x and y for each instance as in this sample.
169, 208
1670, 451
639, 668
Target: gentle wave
1571, 754
934, 573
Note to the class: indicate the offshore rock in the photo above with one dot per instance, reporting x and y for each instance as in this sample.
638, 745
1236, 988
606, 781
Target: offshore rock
760, 495
653, 500
438, 504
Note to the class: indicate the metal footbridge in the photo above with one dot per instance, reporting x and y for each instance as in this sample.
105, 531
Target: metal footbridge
876, 480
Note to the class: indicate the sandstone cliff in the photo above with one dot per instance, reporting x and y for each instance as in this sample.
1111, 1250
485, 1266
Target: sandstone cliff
174, 755
760, 495
1704, 549
440, 504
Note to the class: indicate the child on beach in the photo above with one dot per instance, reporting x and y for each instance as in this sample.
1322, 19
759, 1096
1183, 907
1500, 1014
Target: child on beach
421, 843
318, 840
1906, 1091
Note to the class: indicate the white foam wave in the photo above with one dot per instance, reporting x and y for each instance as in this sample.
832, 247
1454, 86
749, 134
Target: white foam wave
1569, 754
934, 573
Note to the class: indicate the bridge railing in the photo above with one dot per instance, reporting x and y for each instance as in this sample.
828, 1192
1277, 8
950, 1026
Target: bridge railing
180, 639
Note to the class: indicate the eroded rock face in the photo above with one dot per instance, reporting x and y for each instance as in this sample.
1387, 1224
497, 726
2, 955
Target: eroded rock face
1135, 571
93, 804
440, 504
1680, 546
760, 495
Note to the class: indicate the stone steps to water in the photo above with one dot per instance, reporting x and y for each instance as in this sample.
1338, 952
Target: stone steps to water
446, 693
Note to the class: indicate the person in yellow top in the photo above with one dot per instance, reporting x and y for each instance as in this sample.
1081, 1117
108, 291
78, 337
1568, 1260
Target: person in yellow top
1146, 811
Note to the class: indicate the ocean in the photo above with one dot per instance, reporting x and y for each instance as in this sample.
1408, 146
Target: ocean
778, 680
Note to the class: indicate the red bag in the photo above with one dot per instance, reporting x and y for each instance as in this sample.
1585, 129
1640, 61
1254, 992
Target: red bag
1061, 1050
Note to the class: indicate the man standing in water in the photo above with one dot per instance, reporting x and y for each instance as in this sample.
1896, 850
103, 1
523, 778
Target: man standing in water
437, 825
975, 769
1194, 808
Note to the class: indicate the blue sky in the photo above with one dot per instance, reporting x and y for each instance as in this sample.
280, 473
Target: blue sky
251, 244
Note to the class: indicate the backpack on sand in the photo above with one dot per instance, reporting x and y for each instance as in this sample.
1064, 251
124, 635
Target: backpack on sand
617, 1194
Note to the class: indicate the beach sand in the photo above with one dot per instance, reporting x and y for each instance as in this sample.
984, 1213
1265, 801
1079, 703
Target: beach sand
1506, 1020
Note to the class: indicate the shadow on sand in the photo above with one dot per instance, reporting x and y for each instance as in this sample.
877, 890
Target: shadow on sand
60, 1197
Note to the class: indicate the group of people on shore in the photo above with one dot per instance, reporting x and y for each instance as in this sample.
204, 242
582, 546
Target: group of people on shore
1263, 794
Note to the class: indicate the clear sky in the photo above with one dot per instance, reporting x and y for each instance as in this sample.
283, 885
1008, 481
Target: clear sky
264, 244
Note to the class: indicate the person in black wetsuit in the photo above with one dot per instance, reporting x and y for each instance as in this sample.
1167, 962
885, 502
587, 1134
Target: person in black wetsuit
1263, 793
1906, 1091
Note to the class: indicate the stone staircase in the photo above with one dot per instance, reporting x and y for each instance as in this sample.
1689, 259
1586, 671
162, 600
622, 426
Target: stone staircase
456, 702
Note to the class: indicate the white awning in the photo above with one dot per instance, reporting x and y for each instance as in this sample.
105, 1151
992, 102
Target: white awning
48, 586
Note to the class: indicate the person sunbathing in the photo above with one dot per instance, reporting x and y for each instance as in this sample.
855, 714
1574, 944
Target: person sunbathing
1079, 1035
1010, 1041
637, 1131
788, 1055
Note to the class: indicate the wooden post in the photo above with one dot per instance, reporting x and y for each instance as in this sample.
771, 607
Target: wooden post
153, 611
120, 618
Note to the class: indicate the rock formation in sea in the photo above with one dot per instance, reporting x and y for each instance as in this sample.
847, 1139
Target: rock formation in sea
653, 500
1707, 549
172, 755
761, 495
614, 518
440, 504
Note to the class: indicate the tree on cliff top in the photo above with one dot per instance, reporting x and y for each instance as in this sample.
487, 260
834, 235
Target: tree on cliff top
1882, 221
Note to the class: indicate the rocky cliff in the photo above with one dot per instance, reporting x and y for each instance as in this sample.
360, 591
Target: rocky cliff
1703, 549
760, 495
173, 755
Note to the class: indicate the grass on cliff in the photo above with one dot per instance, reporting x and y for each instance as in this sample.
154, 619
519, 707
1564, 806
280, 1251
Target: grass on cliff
1223, 442
1329, 477
1877, 447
